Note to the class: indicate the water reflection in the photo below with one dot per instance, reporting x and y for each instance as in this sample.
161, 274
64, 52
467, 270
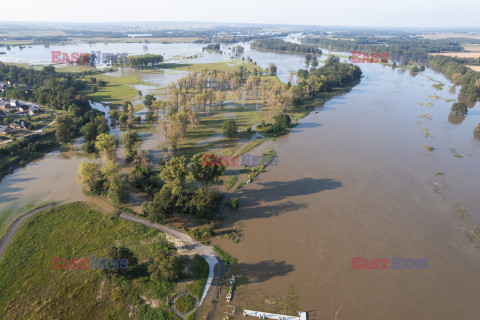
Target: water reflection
455, 119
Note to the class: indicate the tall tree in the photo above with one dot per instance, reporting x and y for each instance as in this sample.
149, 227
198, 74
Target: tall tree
174, 174
90, 175
64, 128
124, 256
164, 268
206, 171
106, 144
272, 69
229, 129
161, 207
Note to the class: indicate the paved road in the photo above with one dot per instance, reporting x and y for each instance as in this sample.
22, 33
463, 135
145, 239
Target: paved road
16, 225
206, 252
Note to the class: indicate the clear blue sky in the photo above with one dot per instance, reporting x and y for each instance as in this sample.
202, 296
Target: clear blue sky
407, 13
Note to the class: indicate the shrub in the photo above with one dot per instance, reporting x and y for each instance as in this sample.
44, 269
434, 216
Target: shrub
202, 233
459, 108
233, 235
225, 256
282, 120
241, 184
204, 203
234, 203
231, 181
184, 303
229, 129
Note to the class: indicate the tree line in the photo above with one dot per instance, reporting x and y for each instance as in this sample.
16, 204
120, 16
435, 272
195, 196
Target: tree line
144, 61
279, 45
401, 49
460, 75
412, 51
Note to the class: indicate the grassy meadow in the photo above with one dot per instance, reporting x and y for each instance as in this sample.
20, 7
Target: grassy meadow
31, 289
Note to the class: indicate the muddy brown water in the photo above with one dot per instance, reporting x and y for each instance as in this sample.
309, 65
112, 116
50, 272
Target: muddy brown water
353, 180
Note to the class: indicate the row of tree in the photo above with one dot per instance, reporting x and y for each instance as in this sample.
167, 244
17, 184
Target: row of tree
144, 61
385, 44
401, 49
407, 50
215, 47
460, 75
279, 45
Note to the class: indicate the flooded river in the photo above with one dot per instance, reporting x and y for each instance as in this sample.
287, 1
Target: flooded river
377, 173
355, 180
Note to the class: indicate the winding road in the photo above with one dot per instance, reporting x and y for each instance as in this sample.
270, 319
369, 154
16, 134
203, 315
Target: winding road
206, 252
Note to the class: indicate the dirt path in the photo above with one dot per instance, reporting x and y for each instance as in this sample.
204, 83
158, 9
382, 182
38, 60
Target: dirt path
16, 225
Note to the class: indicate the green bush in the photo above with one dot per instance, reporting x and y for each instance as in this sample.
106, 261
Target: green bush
225, 256
202, 233
459, 108
282, 120
230, 129
184, 303
241, 184
234, 235
231, 181
234, 203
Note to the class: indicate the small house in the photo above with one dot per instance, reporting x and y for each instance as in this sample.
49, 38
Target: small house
23, 108
33, 110
20, 124
3, 130
6, 106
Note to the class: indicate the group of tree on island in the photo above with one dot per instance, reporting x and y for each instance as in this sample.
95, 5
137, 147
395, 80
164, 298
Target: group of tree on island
283, 46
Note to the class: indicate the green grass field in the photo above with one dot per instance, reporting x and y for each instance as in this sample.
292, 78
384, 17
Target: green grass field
117, 90
219, 66
31, 289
